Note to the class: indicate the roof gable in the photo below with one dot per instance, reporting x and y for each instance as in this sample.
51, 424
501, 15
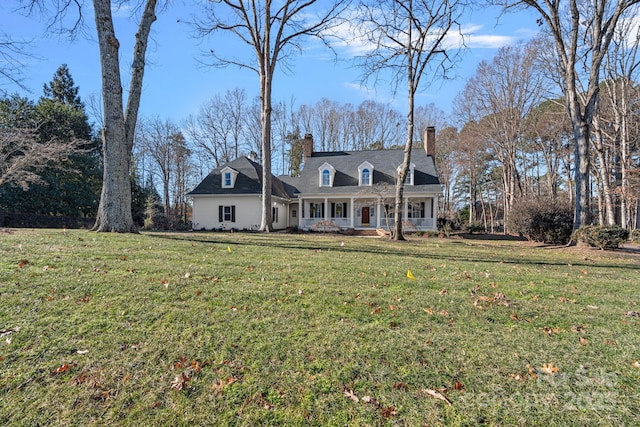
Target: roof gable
384, 165
248, 180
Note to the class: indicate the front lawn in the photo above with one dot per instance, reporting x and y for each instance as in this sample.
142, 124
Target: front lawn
241, 329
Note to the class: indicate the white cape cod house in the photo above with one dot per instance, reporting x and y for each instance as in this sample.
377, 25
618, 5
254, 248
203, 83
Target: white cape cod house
335, 190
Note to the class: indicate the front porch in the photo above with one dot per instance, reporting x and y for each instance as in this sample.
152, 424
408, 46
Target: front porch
334, 214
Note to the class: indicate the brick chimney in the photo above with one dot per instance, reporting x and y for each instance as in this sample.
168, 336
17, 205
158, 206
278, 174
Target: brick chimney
430, 141
307, 146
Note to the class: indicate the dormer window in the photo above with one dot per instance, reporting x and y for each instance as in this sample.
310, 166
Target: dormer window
326, 178
408, 179
327, 173
228, 177
366, 177
365, 174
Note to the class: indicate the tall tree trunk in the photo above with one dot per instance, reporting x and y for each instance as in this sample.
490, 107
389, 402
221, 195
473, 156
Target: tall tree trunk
114, 211
266, 223
604, 174
582, 178
406, 161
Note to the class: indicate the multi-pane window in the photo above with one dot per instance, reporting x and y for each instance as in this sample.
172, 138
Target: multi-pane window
326, 178
227, 179
316, 210
416, 210
366, 177
227, 213
338, 210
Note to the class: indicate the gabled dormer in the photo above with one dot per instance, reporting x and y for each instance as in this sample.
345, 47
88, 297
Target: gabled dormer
365, 174
326, 173
408, 180
228, 176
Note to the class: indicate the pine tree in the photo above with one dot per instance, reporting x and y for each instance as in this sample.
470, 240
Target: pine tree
63, 89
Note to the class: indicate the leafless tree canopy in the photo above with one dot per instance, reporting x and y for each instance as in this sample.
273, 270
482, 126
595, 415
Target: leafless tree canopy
22, 157
411, 40
272, 31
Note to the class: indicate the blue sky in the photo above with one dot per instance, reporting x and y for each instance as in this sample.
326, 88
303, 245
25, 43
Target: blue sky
176, 82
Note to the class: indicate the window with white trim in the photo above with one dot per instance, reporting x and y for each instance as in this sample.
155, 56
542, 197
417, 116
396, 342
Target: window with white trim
228, 176
365, 174
326, 174
227, 213
339, 210
416, 210
326, 178
366, 177
316, 210
408, 179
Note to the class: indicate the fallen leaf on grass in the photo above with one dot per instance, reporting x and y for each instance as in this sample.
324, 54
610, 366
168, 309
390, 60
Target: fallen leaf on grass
549, 368
371, 400
218, 386
22, 263
388, 411
518, 377
351, 395
550, 331
583, 341
400, 386
180, 382
437, 395
458, 386
633, 313
63, 368
636, 364
410, 275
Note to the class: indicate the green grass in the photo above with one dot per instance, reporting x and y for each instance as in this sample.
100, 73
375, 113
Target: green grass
252, 329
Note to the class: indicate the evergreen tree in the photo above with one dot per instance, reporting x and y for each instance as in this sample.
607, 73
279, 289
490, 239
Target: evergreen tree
71, 188
63, 89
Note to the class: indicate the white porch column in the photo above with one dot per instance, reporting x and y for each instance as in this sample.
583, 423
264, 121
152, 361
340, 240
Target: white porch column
326, 209
378, 213
405, 214
434, 203
352, 212
300, 211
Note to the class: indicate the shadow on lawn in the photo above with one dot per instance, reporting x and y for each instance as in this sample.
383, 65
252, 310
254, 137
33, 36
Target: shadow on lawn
292, 242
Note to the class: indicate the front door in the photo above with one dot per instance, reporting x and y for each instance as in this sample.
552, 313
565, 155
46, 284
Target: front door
365, 215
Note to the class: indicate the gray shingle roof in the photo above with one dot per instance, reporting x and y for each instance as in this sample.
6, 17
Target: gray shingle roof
248, 181
385, 164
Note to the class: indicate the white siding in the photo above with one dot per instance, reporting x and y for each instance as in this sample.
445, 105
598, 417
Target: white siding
248, 211
206, 212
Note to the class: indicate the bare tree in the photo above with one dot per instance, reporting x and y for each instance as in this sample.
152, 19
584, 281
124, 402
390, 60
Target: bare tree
217, 130
13, 54
409, 40
582, 33
119, 124
161, 141
22, 157
272, 30
622, 66
503, 93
